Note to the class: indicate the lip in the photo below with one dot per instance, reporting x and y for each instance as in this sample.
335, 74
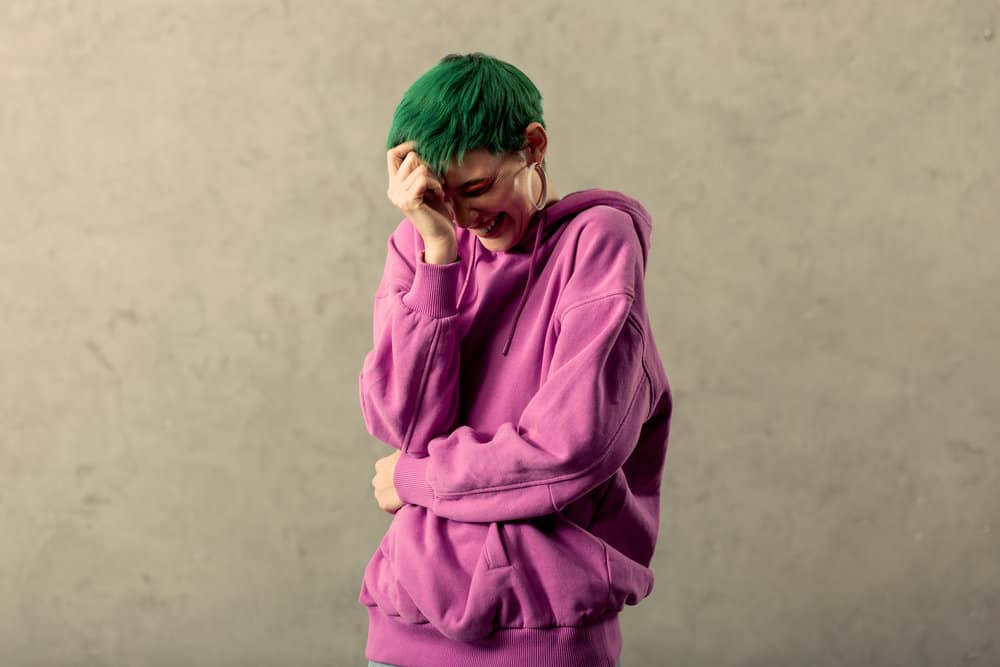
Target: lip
496, 230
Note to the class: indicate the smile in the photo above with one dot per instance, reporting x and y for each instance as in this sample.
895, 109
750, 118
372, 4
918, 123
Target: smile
485, 231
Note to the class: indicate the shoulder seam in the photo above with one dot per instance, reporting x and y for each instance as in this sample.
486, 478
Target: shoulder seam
627, 293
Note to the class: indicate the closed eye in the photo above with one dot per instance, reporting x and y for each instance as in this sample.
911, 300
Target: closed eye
477, 193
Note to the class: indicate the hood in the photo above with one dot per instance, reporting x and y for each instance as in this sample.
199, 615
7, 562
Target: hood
573, 203
545, 222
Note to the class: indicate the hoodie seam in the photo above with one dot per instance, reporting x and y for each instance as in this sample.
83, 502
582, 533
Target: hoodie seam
567, 477
579, 304
392, 287
611, 441
423, 382
643, 380
634, 320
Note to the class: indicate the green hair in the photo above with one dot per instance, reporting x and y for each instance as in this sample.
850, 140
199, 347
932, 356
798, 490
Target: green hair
462, 103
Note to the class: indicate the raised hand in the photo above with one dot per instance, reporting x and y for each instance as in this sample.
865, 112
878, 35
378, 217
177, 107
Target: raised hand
415, 191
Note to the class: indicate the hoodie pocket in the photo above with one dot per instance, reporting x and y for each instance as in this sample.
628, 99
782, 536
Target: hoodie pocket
494, 551
560, 573
469, 580
380, 586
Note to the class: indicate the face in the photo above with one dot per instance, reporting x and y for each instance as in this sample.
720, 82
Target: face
488, 188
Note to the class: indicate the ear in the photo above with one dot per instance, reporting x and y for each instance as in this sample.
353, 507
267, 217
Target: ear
535, 141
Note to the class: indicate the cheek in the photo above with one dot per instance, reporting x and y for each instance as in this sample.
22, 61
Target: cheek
515, 207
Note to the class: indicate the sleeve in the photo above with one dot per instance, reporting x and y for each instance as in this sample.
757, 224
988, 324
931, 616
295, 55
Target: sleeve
409, 379
574, 434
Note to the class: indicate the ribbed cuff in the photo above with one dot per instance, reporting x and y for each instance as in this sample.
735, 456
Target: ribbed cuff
410, 479
435, 288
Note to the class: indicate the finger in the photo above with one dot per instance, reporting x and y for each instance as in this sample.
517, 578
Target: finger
439, 189
434, 184
396, 154
404, 147
400, 150
431, 195
423, 173
407, 166
415, 184
443, 199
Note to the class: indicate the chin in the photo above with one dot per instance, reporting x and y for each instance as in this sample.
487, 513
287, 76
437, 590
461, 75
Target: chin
507, 240
503, 243
495, 245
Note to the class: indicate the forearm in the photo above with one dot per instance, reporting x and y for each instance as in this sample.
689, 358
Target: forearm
409, 380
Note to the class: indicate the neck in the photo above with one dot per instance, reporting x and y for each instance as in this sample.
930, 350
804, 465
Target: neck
552, 197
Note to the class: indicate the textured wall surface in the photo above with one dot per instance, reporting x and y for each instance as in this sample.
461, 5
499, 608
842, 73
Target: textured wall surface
192, 225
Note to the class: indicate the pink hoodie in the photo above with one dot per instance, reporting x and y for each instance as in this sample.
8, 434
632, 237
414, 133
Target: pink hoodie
526, 392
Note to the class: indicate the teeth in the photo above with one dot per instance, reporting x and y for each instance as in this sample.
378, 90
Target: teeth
493, 224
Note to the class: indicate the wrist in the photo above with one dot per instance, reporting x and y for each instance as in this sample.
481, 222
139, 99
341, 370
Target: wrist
441, 251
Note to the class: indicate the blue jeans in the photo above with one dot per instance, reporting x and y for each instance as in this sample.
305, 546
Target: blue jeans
372, 663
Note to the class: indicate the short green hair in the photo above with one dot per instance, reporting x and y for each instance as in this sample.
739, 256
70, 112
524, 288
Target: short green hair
462, 103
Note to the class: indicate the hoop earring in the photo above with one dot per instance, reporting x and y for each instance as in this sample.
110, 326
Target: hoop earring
545, 186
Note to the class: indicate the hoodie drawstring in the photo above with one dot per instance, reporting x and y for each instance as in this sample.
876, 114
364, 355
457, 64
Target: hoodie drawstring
527, 285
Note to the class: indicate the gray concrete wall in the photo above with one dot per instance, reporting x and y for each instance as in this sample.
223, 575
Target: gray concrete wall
192, 225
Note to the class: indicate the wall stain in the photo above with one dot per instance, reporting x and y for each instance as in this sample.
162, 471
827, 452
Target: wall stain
122, 314
98, 353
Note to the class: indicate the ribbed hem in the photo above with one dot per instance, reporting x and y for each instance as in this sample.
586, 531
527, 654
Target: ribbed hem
397, 642
410, 479
434, 291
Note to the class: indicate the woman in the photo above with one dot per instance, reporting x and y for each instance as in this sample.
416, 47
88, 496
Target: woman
514, 369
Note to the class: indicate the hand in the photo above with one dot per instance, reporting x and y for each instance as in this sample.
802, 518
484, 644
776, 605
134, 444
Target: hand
420, 196
385, 489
